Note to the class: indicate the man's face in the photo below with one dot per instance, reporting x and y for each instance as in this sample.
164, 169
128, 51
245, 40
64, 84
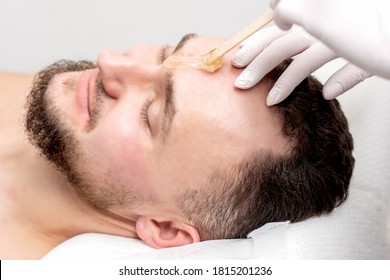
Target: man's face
141, 133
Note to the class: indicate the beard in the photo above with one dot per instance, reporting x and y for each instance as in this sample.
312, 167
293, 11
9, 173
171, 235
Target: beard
44, 128
55, 142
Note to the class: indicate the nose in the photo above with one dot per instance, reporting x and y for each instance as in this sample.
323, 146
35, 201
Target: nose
133, 69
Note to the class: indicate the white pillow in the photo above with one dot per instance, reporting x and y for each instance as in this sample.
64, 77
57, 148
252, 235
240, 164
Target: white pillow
345, 234
358, 229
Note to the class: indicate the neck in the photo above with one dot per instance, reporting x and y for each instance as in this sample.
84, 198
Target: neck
77, 216
50, 208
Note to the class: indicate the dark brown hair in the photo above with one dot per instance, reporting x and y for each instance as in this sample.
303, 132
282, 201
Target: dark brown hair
313, 178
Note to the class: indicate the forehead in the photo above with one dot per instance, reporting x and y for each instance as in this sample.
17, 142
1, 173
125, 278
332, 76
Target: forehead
199, 45
216, 90
215, 118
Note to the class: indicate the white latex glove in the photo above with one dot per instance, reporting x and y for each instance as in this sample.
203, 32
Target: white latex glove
357, 30
270, 46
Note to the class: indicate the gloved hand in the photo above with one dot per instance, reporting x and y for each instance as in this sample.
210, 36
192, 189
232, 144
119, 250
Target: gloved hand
357, 30
330, 21
270, 46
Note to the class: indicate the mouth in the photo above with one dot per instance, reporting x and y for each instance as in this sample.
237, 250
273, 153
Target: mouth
84, 91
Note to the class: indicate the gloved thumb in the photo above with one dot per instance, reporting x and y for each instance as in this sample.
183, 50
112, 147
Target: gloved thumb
344, 79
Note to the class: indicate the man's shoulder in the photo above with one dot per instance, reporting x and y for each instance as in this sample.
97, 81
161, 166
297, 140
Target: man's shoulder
14, 84
14, 88
9, 78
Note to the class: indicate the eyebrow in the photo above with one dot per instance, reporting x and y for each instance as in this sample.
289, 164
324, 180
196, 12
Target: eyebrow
184, 40
169, 111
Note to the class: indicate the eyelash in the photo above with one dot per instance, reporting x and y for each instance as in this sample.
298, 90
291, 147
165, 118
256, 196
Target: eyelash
144, 112
149, 101
163, 53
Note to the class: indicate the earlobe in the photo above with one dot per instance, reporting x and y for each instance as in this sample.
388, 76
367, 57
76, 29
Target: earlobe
163, 234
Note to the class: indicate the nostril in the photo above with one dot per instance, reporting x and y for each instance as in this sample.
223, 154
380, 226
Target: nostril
121, 71
110, 65
112, 88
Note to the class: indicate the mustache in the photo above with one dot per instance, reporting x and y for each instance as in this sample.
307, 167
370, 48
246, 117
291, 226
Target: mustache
43, 127
43, 78
96, 110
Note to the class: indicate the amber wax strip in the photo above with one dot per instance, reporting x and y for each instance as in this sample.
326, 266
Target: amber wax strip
212, 61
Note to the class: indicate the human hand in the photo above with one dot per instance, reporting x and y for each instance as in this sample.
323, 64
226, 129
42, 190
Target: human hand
357, 30
267, 48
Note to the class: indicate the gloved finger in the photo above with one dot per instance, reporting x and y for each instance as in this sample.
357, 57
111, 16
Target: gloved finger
301, 67
255, 44
285, 13
278, 51
344, 79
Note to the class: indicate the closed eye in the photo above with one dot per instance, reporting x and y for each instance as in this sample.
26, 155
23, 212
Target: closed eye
145, 107
144, 112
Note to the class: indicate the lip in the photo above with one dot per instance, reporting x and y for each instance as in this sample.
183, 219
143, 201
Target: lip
84, 92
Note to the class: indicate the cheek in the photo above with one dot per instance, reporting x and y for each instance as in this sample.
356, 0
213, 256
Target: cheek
118, 151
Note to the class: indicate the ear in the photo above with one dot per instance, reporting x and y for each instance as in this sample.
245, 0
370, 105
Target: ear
163, 234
